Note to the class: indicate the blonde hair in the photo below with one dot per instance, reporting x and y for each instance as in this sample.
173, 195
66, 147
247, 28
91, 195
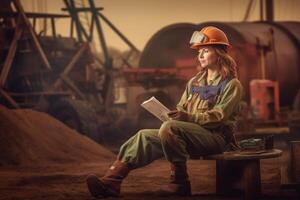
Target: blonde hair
226, 63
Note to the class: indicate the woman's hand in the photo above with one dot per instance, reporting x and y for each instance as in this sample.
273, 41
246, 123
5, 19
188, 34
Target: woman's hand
178, 115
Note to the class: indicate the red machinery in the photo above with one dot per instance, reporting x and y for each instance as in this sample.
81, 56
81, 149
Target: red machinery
264, 99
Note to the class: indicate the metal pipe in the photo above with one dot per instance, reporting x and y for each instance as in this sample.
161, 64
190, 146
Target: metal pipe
107, 58
269, 10
261, 9
123, 37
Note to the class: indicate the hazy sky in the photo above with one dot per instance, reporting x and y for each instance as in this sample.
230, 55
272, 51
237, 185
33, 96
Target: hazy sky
140, 19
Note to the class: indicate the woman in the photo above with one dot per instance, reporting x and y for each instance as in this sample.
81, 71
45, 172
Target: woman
202, 124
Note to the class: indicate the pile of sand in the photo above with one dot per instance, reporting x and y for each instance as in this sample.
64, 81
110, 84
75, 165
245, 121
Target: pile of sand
30, 137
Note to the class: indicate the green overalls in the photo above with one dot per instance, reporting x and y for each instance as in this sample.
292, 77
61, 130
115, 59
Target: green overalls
208, 130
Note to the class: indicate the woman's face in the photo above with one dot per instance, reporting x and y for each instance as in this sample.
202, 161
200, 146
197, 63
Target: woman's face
207, 57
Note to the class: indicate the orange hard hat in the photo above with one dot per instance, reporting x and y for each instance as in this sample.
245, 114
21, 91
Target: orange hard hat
209, 35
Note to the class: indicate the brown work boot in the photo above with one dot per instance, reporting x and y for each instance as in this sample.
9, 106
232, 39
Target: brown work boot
179, 184
109, 185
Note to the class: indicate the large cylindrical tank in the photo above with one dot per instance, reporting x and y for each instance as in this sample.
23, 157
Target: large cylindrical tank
276, 45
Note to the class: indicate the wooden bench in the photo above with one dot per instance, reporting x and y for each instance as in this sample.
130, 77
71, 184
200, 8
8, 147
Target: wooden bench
242, 168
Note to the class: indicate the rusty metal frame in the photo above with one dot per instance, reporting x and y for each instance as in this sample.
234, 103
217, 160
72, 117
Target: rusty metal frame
24, 23
11, 54
63, 77
22, 20
9, 99
36, 43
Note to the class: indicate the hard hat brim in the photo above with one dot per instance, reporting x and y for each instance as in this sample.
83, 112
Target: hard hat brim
197, 46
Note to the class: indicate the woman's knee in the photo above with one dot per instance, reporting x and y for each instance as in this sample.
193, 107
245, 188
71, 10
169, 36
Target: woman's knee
132, 140
143, 133
146, 135
168, 128
140, 134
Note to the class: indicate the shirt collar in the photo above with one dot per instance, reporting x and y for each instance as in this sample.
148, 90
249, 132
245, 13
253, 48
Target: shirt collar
217, 79
202, 79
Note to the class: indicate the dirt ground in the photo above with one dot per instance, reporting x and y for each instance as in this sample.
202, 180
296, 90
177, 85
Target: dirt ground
41, 158
68, 181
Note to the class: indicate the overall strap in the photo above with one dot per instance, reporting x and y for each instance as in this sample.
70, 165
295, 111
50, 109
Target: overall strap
208, 91
224, 83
